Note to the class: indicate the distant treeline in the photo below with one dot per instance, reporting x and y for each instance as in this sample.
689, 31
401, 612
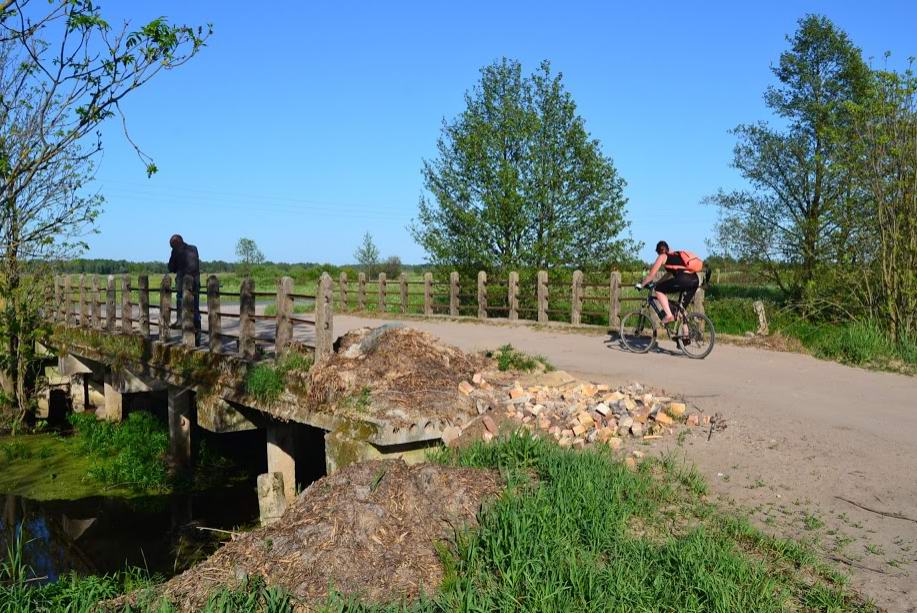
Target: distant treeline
103, 266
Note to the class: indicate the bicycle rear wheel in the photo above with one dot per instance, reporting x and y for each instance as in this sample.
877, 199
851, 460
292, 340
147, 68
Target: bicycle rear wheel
701, 336
638, 334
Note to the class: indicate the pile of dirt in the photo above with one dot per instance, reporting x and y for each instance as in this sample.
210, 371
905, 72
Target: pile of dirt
370, 530
403, 374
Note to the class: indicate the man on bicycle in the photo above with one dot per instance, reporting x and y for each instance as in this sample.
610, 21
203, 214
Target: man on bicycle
681, 276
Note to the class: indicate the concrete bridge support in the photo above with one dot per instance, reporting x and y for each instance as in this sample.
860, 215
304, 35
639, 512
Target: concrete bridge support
180, 400
281, 456
114, 399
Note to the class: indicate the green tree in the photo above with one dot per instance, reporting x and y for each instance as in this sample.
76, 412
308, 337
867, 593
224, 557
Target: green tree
63, 71
882, 157
249, 254
518, 182
792, 211
367, 255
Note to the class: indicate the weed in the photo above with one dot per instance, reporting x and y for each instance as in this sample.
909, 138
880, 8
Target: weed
131, 453
266, 381
812, 522
874, 549
358, 402
509, 358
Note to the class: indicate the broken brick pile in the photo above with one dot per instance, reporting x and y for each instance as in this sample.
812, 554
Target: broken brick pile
578, 414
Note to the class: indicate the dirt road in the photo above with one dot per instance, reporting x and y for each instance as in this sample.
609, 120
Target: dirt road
802, 434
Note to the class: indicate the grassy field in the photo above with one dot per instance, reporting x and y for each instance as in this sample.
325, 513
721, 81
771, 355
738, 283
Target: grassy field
577, 530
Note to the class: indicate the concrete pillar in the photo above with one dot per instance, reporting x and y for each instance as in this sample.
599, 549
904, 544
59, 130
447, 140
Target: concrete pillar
382, 288
189, 314
576, 298
114, 400
96, 304
342, 288
84, 303
272, 501
284, 329
324, 319
403, 282
180, 425
127, 307
453, 294
79, 394
111, 315
614, 300
542, 291
248, 350
428, 293
143, 284
361, 291
482, 294
513, 295
281, 456
165, 308
214, 321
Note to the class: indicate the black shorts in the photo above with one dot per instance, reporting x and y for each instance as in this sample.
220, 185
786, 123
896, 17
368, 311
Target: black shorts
683, 281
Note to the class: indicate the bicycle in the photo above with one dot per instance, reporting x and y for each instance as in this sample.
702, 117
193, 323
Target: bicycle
639, 329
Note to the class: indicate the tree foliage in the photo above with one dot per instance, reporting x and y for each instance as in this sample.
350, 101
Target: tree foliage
63, 71
367, 255
791, 212
248, 253
518, 182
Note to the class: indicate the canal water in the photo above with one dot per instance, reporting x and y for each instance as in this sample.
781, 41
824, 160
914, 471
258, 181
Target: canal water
101, 535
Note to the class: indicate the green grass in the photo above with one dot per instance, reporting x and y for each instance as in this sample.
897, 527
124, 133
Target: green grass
129, 454
574, 531
578, 531
266, 381
509, 358
49, 467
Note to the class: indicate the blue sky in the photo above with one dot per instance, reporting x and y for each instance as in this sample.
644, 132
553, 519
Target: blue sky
304, 125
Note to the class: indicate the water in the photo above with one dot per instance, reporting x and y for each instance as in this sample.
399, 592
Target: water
101, 535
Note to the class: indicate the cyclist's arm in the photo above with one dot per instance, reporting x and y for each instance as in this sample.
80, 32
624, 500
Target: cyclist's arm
656, 266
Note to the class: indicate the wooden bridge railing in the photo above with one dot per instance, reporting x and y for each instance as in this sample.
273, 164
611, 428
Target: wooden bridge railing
579, 299
115, 310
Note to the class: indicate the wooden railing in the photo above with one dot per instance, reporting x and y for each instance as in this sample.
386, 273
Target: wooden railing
114, 310
579, 299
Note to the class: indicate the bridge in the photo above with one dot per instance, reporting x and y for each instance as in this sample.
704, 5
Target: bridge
116, 347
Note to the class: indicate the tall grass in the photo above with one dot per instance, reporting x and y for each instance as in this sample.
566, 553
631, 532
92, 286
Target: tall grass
132, 453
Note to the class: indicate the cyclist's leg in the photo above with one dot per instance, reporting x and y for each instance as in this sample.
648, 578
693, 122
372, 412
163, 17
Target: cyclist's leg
666, 285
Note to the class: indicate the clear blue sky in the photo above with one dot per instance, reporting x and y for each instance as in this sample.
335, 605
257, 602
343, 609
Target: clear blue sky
304, 125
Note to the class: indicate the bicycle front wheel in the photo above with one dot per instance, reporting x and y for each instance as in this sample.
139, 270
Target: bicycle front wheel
638, 334
701, 336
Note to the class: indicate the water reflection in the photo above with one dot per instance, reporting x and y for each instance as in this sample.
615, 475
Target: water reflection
101, 535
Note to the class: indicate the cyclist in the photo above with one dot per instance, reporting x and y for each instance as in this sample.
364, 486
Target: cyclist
679, 278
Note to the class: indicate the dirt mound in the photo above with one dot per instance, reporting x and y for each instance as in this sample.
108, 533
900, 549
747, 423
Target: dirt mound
369, 529
401, 373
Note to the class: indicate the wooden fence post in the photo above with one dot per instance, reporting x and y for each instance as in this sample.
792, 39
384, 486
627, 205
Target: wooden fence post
482, 294
68, 301
188, 312
576, 298
284, 334
58, 300
165, 308
214, 321
453, 294
513, 295
111, 313
248, 350
143, 290
542, 296
342, 286
324, 319
403, 282
361, 291
84, 304
382, 288
614, 301
698, 302
428, 293
96, 304
127, 314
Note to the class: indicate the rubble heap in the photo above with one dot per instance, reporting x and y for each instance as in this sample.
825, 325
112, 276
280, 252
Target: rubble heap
578, 413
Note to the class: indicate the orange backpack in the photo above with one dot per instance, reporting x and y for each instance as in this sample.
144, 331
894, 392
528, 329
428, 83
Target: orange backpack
692, 263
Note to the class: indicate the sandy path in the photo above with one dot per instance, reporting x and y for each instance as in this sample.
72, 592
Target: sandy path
801, 432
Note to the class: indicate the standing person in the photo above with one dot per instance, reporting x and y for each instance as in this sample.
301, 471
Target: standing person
681, 268
185, 261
